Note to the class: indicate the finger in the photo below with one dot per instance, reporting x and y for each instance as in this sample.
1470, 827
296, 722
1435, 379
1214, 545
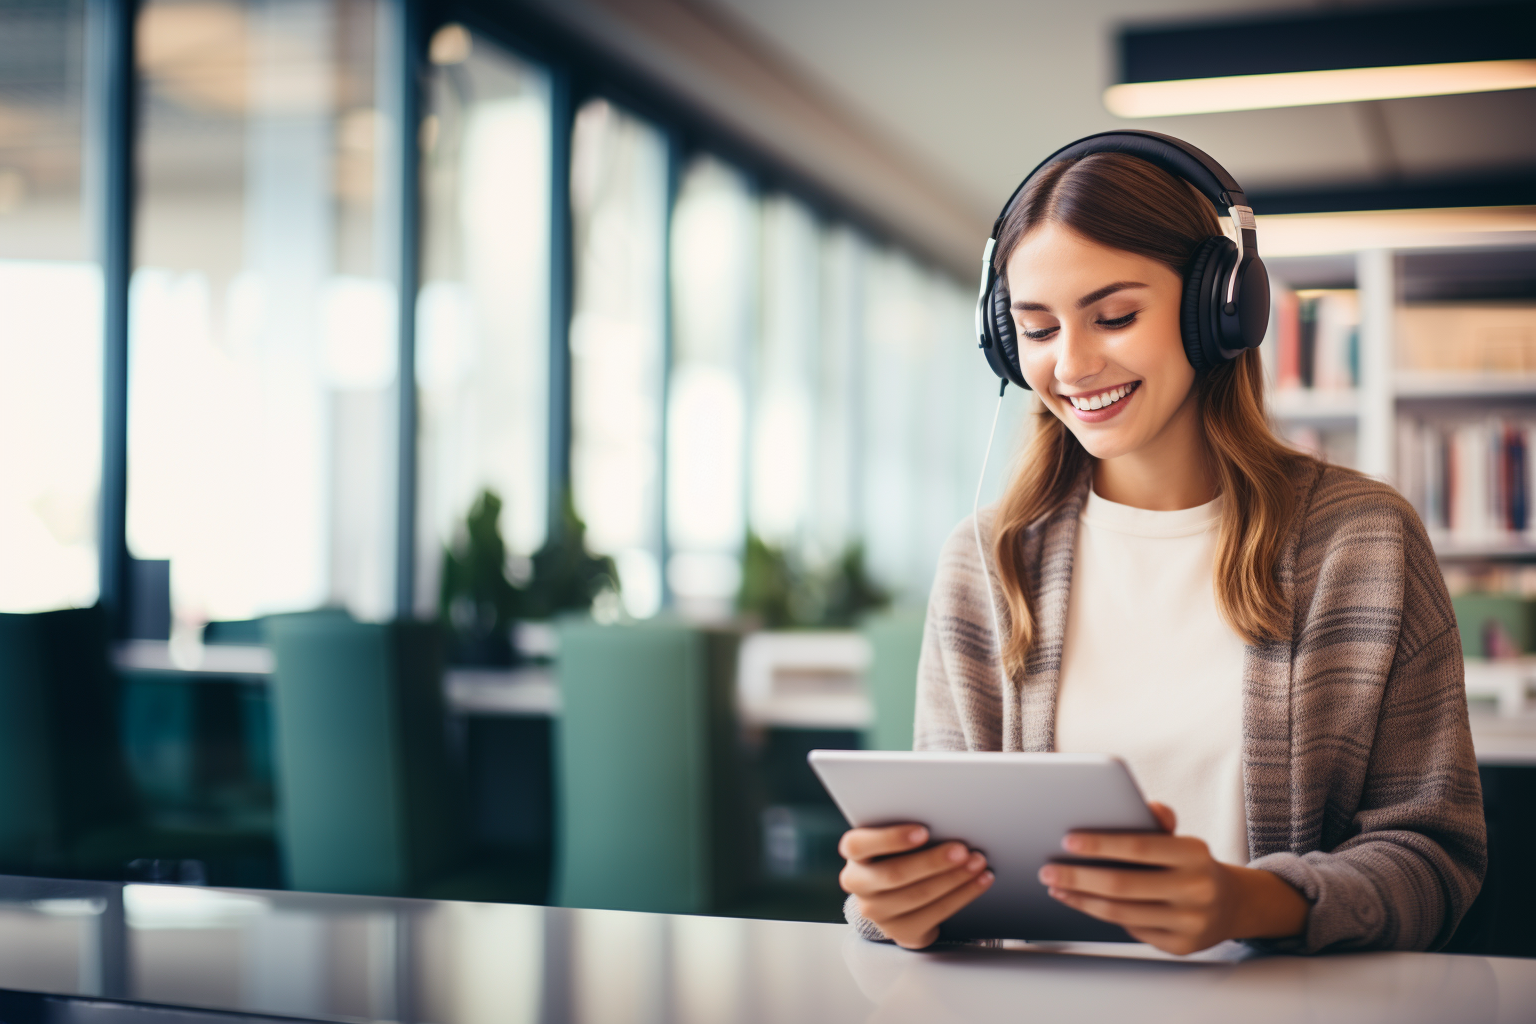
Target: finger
1167, 885
936, 913
1139, 847
1131, 914
869, 877
1165, 816
886, 906
1177, 943
864, 843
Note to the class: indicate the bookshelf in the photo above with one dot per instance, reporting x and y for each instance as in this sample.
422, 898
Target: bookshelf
1362, 422
1443, 384
1434, 400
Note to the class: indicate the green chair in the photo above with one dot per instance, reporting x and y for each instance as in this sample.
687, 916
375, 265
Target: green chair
366, 800
895, 641
648, 804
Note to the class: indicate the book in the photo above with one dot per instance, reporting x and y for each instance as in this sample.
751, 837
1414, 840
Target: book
1468, 337
1317, 338
1470, 479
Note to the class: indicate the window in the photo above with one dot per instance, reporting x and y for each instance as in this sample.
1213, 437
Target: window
482, 356
736, 360
51, 330
785, 374
715, 242
617, 339
262, 366
836, 495
926, 412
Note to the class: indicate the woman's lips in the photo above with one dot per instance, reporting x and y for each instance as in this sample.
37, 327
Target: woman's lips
1105, 412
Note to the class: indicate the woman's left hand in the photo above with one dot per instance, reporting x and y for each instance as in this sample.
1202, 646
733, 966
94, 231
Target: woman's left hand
1190, 904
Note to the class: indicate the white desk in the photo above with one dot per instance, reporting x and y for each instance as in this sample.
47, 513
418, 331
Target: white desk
356, 958
1504, 734
472, 691
1504, 740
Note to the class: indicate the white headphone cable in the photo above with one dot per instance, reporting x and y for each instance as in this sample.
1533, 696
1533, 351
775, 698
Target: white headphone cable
981, 553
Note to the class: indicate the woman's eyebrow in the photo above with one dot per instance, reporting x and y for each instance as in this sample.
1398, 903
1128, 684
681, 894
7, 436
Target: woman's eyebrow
1107, 290
1085, 301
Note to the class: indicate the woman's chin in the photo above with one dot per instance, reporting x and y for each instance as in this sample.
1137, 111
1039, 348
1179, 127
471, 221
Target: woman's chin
1105, 443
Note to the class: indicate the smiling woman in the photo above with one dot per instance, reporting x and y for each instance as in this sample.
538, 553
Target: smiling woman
1264, 639
1088, 338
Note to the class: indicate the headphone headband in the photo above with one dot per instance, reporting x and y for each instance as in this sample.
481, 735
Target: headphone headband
1175, 156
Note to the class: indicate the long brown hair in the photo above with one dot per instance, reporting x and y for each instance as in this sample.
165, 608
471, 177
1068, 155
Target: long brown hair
1126, 203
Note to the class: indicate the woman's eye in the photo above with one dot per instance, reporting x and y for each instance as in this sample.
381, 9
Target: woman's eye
1119, 321
1041, 334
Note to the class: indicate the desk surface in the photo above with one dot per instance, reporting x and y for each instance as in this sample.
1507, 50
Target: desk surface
359, 959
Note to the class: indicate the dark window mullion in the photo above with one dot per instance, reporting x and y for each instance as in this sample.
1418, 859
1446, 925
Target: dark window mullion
111, 99
562, 114
402, 59
677, 162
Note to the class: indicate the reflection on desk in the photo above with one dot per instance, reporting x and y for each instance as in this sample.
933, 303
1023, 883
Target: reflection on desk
350, 958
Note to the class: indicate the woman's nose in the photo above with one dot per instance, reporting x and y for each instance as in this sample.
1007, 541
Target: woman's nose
1076, 358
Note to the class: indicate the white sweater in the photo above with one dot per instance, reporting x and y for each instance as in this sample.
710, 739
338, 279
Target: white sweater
1150, 672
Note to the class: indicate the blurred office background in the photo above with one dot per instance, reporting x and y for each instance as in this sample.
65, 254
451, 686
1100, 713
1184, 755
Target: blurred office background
442, 438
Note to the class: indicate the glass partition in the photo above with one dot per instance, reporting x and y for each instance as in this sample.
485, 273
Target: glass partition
482, 356
262, 363
618, 338
51, 329
715, 245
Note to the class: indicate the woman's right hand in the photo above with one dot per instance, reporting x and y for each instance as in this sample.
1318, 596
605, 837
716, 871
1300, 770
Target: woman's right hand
906, 891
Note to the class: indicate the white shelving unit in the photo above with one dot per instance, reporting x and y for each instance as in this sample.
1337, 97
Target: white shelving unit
1371, 409
1385, 277
1444, 384
1320, 407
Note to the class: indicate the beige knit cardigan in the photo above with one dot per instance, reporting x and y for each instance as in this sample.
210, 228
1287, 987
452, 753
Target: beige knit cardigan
1359, 779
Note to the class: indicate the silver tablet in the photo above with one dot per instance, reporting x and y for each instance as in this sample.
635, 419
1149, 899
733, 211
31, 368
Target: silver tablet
1015, 808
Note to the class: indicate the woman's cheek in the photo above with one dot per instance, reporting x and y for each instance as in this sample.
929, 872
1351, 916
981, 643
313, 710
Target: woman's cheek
1039, 370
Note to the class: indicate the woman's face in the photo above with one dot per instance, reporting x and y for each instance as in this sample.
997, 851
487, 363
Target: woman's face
1099, 339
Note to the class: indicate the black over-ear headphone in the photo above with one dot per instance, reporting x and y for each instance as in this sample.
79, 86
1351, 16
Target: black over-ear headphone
1226, 288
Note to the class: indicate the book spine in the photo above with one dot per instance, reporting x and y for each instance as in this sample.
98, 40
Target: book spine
1514, 444
1471, 482
1307, 343
1288, 340
1528, 447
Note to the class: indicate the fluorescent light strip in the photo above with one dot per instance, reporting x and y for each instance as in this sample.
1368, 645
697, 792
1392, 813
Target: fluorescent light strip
1312, 234
1307, 88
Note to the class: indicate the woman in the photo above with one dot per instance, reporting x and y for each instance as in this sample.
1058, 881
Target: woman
1266, 639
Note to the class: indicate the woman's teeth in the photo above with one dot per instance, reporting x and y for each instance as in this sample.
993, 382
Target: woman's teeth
1102, 399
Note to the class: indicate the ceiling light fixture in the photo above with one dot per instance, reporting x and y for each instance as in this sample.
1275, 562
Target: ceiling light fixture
1307, 88
1329, 57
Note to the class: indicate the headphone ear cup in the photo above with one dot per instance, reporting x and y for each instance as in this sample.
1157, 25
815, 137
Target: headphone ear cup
1197, 314
1004, 353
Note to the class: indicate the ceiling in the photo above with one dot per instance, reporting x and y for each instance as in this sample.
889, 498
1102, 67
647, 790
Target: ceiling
977, 91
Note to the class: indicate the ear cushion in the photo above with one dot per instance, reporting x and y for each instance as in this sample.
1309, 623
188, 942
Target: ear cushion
1196, 325
1000, 321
